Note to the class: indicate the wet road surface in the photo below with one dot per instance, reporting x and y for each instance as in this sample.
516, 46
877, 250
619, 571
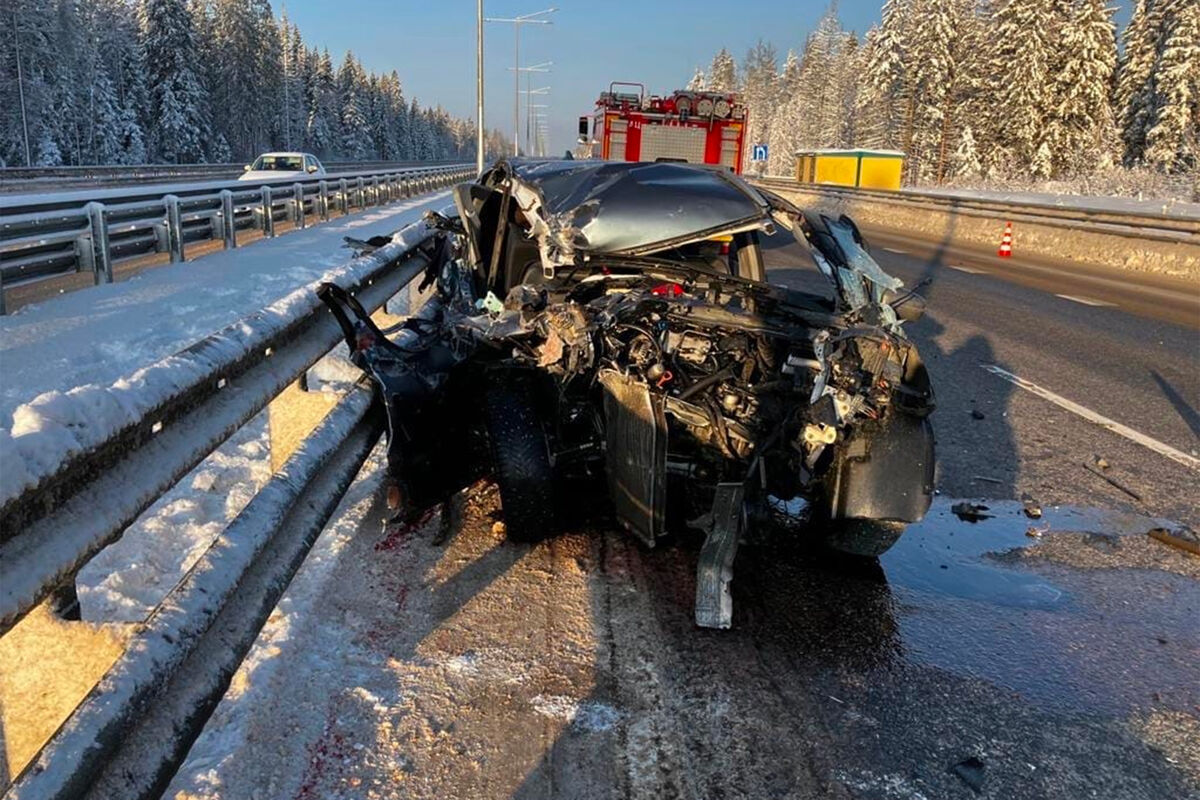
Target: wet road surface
972, 660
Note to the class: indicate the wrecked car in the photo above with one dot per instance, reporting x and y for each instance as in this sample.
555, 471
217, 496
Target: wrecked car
599, 324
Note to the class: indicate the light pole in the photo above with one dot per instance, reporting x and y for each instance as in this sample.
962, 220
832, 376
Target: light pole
517, 22
543, 67
529, 93
537, 119
479, 135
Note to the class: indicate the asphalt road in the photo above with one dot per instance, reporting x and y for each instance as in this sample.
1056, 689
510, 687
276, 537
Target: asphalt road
1009, 657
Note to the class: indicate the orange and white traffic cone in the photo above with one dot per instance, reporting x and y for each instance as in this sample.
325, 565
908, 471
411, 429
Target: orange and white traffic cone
1006, 242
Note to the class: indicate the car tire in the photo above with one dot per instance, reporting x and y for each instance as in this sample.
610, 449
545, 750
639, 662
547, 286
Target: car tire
520, 457
866, 538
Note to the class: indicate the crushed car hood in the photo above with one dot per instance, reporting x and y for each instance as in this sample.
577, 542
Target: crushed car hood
613, 208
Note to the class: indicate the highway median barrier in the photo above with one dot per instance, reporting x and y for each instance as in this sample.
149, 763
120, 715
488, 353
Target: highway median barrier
1165, 244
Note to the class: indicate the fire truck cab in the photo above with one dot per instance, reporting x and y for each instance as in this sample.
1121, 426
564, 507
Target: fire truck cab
697, 127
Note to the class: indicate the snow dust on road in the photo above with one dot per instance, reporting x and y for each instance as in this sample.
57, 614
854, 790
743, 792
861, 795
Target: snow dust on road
453, 664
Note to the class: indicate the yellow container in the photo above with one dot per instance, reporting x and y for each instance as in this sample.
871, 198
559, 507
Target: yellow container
869, 169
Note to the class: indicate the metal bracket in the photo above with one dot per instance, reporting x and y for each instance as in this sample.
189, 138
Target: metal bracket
714, 605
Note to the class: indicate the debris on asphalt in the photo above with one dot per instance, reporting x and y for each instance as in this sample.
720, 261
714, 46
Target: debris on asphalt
1034, 532
1110, 480
1177, 538
986, 479
970, 512
976, 414
498, 528
970, 770
1032, 508
1101, 462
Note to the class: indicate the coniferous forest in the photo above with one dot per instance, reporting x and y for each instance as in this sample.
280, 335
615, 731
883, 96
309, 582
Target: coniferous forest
1008, 90
192, 81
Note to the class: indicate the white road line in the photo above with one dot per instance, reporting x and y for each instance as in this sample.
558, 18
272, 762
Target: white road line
1099, 419
1087, 301
969, 270
894, 250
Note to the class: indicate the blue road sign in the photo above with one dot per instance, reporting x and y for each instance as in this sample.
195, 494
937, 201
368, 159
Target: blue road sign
760, 153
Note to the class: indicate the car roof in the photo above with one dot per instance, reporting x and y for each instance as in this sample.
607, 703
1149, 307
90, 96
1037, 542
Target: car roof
285, 153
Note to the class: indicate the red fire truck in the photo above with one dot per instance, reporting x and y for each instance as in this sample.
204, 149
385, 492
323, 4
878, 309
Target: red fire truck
699, 127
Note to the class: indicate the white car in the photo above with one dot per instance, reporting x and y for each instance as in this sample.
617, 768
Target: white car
275, 166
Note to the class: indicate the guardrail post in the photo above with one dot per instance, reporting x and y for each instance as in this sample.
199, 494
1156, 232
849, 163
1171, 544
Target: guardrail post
359, 191
101, 259
344, 196
268, 213
3, 307
174, 229
323, 200
228, 222
298, 202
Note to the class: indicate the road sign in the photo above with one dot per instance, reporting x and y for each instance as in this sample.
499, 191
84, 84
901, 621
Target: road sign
759, 153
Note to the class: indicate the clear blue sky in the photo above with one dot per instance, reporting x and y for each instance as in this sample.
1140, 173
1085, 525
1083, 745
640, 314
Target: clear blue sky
431, 43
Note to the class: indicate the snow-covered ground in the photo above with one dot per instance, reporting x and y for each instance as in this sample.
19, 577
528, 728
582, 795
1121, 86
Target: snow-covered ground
98, 335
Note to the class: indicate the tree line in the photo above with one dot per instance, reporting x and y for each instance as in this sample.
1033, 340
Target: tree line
194, 81
1004, 89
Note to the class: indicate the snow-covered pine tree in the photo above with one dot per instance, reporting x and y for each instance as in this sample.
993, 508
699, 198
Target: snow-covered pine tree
883, 90
847, 82
759, 93
1173, 142
1081, 124
781, 140
698, 82
294, 85
105, 118
965, 161
1019, 69
932, 74
177, 100
355, 138
324, 119
722, 74
1135, 81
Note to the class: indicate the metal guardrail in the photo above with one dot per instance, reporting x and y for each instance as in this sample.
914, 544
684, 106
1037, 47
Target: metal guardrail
131, 733
52, 236
13, 177
1175, 228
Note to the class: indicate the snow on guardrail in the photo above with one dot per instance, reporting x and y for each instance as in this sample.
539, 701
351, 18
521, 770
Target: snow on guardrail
85, 463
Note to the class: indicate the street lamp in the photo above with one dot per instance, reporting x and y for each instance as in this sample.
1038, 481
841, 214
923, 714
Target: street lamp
534, 126
529, 92
479, 136
517, 22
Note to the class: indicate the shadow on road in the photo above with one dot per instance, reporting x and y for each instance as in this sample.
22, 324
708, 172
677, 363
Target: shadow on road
1186, 411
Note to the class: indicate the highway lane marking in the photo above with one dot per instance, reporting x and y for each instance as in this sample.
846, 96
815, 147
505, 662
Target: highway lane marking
969, 270
1087, 301
894, 250
1099, 419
